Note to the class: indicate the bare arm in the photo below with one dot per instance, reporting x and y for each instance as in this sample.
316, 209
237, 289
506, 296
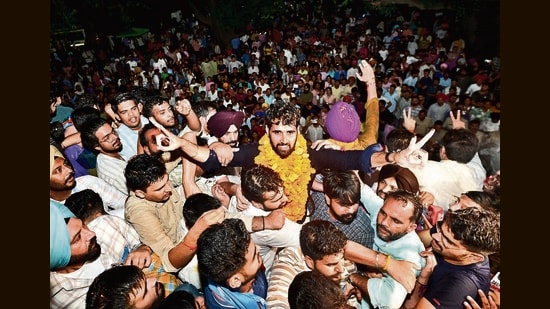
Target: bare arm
402, 271
184, 251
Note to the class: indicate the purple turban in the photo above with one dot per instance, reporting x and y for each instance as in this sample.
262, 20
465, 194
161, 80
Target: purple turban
342, 122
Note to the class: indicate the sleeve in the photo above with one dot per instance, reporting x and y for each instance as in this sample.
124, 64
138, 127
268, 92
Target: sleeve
370, 135
247, 219
371, 201
112, 198
287, 236
287, 264
451, 291
385, 292
335, 159
243, 157
150, 231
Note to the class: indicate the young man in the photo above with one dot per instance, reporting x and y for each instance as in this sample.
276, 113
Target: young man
124, 287
458, 267
155, 210
264, 189
339, 203
310, 289
231, 263
322, 250
116, 235
127, 106
99, 136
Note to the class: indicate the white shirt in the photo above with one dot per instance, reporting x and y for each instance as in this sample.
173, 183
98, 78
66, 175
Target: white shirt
270, 241
447, 179
112, 171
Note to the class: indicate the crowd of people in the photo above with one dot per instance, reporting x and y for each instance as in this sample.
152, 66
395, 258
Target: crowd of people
322, 163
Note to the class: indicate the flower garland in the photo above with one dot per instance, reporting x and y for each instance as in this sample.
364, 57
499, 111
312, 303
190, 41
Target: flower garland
295, 170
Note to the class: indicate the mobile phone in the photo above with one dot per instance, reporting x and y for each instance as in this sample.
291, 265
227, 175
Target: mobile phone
495, 282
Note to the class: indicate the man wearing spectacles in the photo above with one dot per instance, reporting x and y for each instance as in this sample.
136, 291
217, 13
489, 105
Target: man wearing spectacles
100, 137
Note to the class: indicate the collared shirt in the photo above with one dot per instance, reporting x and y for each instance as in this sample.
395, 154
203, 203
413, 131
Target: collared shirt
112, 171
360, 230
386, 292
158, 224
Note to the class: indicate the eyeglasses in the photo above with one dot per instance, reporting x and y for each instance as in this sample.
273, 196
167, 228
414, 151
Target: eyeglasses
109, 138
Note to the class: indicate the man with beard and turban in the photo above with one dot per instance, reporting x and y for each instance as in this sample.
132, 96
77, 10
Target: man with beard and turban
76, 258
394, 225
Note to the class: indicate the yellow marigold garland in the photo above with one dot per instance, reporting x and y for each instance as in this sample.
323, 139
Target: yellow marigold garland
295, 170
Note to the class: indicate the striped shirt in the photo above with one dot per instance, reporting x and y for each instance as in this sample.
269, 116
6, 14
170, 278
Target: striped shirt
288, 263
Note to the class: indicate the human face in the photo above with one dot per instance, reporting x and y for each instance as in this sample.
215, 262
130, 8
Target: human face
148, 295
151, 136
84, 246
231, 137
330, 266
444, 243
158, 192
164, 115
109, 142
129, 112
283, 139
394, 220
62, 177
274, 200
251, 267
461, 202
386, 186
341, 212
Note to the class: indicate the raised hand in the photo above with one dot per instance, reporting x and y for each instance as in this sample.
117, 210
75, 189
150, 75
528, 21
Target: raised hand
167, 141
367, 73
486, 302
457, 123
408, 121
184, 108
414, 156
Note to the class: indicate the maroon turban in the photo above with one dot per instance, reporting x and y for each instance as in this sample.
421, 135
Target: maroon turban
404, 178
220, 122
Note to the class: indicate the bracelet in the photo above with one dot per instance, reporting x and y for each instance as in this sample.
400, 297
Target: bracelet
191, 248
388, 259
422, 284
263, 223
376, 261
387, 157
